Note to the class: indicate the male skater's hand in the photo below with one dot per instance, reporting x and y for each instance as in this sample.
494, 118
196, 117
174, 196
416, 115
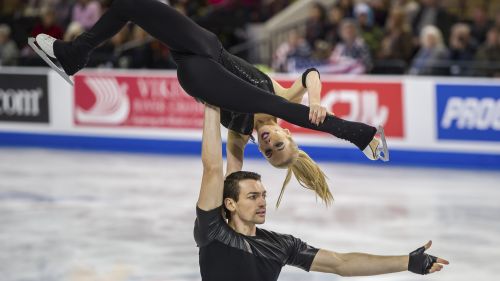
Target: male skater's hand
422, 263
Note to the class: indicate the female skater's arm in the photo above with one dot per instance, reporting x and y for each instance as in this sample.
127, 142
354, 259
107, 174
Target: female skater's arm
293, 94
235, 149
317, 113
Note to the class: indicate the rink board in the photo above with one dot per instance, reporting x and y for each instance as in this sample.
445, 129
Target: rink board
429, 121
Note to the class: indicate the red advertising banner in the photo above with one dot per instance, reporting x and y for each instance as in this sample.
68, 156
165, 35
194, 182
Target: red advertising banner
139, 100
367, 102
117, 100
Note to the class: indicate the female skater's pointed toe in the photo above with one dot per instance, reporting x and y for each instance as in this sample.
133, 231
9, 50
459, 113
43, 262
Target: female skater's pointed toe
46, 43
377, 149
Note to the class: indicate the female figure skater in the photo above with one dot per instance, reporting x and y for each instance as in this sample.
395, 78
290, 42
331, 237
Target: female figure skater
210, 74
276, 144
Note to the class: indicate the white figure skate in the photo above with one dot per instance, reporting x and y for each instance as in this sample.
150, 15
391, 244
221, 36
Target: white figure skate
377, 149
43, 46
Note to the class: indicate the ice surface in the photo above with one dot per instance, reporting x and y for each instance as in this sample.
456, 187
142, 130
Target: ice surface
82, 216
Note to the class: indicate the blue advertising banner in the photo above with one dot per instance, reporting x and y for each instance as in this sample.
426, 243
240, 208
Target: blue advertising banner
468, 112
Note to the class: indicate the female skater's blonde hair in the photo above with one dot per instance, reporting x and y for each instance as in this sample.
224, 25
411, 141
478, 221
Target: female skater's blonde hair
307, 173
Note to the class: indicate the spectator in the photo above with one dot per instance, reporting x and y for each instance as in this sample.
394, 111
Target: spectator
217, 2
47, 24
74, 29
11, 9
315, 25
352, 54
347, 7
335, 16
372, 34
380, 12
462, 49
86, 13
32, 8
410, 7
397, 42
431, 13
294, 48
9, 52
496, 23
488, 54
429, 59
270, 8
61, 9
140, 54
480, 25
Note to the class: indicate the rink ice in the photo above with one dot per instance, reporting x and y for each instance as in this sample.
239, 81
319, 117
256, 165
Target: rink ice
81, 216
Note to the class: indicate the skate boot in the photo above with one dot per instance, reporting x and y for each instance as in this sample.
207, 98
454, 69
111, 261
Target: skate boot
70, 59
377, 149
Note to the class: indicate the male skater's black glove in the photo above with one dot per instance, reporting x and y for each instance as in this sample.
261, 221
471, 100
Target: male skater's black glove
420, 262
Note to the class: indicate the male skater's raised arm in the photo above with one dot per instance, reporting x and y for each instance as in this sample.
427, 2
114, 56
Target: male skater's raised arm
212, 182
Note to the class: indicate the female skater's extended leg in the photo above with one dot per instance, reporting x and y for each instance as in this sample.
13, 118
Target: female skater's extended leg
204, 78
163, 22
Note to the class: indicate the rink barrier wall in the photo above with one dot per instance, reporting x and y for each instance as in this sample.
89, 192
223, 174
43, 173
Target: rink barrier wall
429, 121
185, 147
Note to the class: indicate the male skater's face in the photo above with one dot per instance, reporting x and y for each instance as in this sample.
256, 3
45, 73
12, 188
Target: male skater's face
251, 205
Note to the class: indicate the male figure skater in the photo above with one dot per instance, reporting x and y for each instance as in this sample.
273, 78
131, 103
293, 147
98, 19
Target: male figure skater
238, 250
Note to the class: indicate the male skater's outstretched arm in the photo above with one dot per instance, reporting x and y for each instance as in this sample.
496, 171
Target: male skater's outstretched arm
362, 264
212, 182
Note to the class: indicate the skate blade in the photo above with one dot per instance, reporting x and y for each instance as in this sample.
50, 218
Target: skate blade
31, 42
384, 151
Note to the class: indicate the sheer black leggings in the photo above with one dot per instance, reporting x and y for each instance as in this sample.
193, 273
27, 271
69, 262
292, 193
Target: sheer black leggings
197, 53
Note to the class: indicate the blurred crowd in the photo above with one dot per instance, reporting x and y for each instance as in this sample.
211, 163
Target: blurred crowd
132, 47
393, 37
418, 37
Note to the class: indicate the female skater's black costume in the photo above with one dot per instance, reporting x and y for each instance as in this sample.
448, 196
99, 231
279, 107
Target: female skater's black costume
205, 70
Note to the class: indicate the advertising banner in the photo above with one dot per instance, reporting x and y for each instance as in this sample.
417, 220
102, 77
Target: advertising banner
468, 112
116, 100
366, 102
24, 98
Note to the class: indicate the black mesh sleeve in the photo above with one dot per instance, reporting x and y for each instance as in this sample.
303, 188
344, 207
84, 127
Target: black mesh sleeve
208, 225
300, 254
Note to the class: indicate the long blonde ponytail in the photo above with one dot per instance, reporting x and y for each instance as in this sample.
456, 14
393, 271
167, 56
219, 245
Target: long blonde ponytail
309, 175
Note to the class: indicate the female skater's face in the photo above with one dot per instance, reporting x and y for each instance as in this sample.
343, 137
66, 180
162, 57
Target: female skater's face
275, 144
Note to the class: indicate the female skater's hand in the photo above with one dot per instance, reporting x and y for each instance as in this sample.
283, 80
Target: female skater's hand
317, 114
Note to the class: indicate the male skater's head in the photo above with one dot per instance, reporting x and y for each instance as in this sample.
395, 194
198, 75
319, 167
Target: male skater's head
244, 198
